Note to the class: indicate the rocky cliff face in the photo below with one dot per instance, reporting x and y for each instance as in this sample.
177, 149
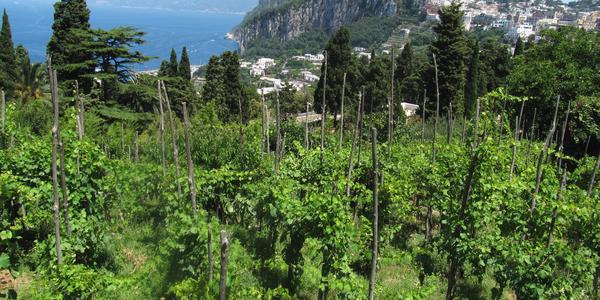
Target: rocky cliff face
287, 19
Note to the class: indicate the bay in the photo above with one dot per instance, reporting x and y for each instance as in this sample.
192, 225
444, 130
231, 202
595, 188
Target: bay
203, 33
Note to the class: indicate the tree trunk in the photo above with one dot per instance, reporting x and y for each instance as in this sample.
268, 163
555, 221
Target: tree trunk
437, 107
161, 131
449, 127
520, 117
224, 262
596, 284
587, 145
360, 126
464, 130
323, 109
375, 217
342, 115
174, 139
190, 163
501, 133
241, 133
55, 135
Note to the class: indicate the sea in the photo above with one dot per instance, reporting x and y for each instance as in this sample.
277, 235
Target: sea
203, 33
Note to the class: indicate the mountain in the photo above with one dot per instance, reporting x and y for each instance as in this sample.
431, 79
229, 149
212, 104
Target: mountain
229, 6
287, 19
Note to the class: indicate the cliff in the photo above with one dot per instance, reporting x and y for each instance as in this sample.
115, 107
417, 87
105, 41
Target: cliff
287, 19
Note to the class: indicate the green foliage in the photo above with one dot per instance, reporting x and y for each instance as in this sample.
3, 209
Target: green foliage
8, 60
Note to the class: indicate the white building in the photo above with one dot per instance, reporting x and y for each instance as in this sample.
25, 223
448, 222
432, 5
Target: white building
409, 109
265, 63
524, 31
257, 72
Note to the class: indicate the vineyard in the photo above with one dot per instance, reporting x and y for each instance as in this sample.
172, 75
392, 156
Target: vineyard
193, 208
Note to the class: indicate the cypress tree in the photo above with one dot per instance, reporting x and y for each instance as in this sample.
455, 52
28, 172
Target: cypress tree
519, 47
232, 84
472, 84
173, 64
68, 57
404, 64
8, 61
450, 48
213, 89
185, 70
339, 58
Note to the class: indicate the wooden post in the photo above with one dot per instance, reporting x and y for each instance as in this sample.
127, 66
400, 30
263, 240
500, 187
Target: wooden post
449, 127
174, 138
594, 173
224, 262
323, 109
464, 130
190, 163
563, 183
360, 126
561, 146
423, 118
587, 145
278, 143
342, 112
241, 140
3, 106
63, 184
501, 133
437, 107
136, 147
391, 104
354, 138
161, 130
268, 133
55, 135
514, 156
209, 249
375, 216
521, 116
539, 171
306, 124
262, 124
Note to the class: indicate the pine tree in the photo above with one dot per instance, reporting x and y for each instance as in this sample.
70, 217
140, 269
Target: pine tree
70, 62
472, 84
232, 84
377, 81
173, 64
339, 58
214, 90
404, 64
450, 48
185, 70
8, 62
519, 47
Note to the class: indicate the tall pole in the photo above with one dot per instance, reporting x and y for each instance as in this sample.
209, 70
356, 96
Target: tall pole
224, 263
375, 217
161, 130
391, 103
278, 143
262, 124
174, 138
3, 99
190, 163
437, 107
342, 116
55, 133
423, 117
323, 109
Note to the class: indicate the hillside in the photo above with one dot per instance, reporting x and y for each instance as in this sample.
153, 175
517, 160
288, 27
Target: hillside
284, 20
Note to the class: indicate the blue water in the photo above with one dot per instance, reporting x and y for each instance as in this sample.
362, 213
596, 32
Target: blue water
203, 33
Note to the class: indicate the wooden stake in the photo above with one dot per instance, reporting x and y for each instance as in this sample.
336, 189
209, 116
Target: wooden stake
173, 137
563, 183
323, 109
224, 262
594, 173
262, 124
423, 118
190, 163
306, 125
437, 107
3, 108
137, 147
514, 156
391, 104
374, 253
63, 184
55, 135
278, 125
209, 249
561, 147
342, 115
161, 130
